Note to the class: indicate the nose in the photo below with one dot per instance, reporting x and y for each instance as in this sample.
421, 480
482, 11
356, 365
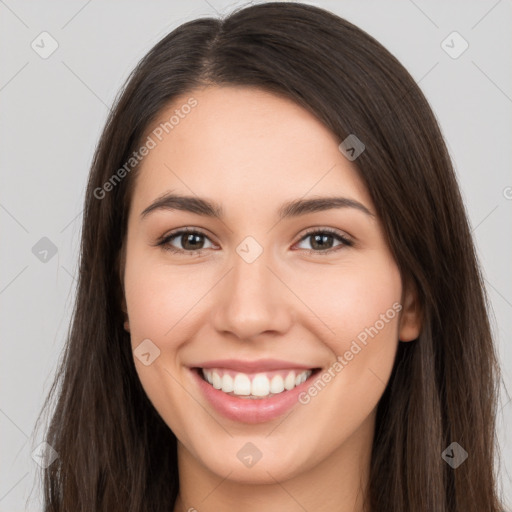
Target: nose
253, 300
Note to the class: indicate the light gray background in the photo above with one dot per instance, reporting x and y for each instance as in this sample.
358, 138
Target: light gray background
52, 112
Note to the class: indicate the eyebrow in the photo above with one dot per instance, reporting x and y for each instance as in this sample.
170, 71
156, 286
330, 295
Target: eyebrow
295, 208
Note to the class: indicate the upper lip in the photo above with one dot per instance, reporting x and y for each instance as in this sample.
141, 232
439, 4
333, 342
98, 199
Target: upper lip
260, 365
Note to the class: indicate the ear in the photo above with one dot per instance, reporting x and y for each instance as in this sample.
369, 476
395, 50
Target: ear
411, 318
126, 321
121, 266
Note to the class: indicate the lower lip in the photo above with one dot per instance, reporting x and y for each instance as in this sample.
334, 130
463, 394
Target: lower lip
248, 410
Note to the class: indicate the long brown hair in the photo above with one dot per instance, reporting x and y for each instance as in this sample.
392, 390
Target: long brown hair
115, 451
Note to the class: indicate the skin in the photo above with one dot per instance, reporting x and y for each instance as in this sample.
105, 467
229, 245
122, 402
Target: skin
251, 151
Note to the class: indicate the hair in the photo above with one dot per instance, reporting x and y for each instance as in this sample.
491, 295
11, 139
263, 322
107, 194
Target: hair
115, 451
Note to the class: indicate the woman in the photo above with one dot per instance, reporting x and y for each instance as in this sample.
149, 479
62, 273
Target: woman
279, 305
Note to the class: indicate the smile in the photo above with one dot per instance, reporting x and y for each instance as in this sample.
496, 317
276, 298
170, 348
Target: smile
251, 392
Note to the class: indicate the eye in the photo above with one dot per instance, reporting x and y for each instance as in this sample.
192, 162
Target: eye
190, 239
322, 240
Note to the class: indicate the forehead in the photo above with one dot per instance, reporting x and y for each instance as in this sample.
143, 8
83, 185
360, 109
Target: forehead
246, 147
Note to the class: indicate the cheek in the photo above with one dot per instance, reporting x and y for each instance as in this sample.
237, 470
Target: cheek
156, 301
158, 297
361, 304
353, 297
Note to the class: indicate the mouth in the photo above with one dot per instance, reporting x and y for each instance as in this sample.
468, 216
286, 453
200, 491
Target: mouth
252, 397
255, 386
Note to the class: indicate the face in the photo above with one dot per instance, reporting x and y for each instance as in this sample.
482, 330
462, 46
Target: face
259, 297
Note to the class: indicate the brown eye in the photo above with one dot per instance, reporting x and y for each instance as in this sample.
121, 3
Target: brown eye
191, 241
322, 241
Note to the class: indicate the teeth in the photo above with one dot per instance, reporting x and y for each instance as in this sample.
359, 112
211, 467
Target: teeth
208, 376
300, 378
277, 384
241, 384
217, 381
260, 385
289, 382
227, 383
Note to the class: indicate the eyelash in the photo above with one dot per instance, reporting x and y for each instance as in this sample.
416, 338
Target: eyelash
346, 242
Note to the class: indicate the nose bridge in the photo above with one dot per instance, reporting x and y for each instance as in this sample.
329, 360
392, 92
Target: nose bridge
252, 299
250, 275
